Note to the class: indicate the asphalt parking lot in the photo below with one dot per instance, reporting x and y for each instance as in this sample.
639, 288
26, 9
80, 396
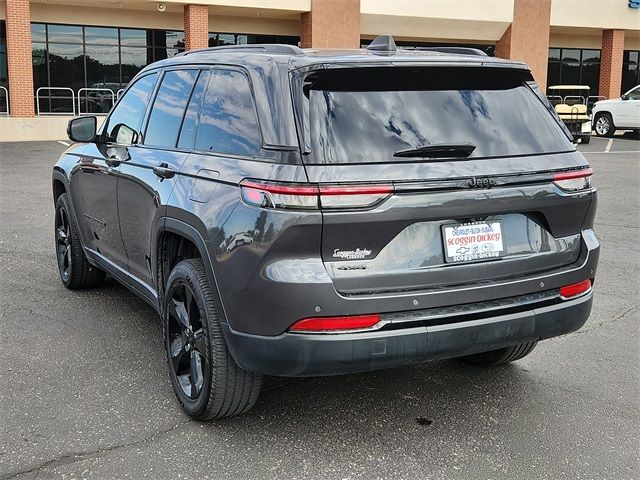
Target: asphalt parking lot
84, 392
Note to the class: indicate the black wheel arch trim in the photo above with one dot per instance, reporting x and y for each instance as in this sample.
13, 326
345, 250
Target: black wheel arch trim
173, 225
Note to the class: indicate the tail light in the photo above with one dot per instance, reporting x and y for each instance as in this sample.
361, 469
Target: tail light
335, 324
574, 181
312, 197
575, 289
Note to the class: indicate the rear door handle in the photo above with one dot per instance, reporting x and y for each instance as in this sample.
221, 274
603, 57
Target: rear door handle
163, 171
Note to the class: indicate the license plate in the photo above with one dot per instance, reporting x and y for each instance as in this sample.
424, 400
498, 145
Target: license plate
469, 242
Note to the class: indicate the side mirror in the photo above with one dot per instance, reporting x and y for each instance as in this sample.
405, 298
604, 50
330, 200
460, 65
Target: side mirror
82, 129
124, 135
623, 97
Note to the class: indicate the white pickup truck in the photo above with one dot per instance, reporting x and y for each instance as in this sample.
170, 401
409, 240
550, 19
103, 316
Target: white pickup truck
617, 114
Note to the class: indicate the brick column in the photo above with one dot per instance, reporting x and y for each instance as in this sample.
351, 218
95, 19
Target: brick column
527, 39
611, 63
196, 26
331, 24
19, 63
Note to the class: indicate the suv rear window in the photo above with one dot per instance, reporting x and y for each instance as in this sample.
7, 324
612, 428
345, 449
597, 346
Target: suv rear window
364, 115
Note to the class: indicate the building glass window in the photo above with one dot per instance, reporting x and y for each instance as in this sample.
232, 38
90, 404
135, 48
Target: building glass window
574, 66
4, 77
77, 56
630, 70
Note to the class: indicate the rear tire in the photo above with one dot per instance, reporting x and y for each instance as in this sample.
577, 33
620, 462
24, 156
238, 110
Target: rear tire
206, 380
75, 270
603, 125
585, 140
502, 355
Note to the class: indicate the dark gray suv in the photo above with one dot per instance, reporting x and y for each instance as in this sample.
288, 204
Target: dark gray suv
298, 212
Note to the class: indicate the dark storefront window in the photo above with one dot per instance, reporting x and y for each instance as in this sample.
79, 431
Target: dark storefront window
574, 66
3, 67
77, 57
630, 70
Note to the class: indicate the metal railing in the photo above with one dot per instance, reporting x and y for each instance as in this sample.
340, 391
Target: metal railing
6, 96
66, 89
98, 98
575, 99
119, 93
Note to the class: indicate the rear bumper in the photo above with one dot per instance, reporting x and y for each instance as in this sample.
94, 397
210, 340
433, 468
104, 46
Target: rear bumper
301, 355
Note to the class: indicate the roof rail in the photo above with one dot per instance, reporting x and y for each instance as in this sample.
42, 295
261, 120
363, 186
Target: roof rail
252, 47
455, 50
383, 43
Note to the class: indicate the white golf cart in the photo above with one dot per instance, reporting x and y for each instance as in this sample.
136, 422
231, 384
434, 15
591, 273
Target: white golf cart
570, 103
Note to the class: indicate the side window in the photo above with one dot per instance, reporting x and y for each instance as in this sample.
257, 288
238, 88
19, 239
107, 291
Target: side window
634, 94
168, 108
228, 121
126, 119
190, 123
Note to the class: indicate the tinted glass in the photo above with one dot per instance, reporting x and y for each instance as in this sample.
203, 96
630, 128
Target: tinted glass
228, 122
101, 35
570, 54
363, 117
131, 109
634, 94
168, 108
65, 33
66, 65
133, 60
190, 123
38, 32
133, 38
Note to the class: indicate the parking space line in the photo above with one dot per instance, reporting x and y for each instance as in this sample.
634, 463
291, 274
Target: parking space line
63, 143
608, 147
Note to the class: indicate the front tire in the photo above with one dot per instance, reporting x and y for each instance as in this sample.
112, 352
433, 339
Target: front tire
604, 126
502, 355
585, 139
75, 270
205, 379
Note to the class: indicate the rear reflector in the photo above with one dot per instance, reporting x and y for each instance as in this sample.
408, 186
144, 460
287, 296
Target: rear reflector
327, 324
574, 180
305, 196
575, 289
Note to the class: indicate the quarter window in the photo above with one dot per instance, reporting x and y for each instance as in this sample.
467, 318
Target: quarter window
126, 118
228, 122
168, 108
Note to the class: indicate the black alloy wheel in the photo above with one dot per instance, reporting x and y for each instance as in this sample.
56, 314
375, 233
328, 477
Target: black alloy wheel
63, 243
206, 380
187, 341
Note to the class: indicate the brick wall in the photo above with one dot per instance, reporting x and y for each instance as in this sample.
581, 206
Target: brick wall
196, 26
611, 63
527, 39
19, 63
331, 24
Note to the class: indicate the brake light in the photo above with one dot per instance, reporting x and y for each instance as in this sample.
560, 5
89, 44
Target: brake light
574, 181
328, 324
575, 289
306, 196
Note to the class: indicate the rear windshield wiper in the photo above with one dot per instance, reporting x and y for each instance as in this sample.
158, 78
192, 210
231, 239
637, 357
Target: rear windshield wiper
438, 150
